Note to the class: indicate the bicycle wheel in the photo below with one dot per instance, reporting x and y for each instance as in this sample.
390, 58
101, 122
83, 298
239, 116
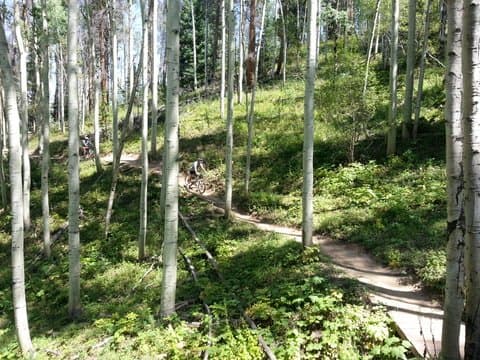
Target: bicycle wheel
200, 186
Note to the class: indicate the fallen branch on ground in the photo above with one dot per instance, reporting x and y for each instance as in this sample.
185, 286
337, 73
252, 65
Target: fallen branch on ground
214, 264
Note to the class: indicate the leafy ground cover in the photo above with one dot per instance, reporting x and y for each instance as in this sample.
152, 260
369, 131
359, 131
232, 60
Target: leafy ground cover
395, 206
300, 304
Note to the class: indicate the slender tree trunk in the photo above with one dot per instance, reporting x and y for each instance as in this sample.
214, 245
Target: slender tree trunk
96, 105
241, 51
377, 40
283, 47
392, 111
206, 44
443, 25
370, 47
454, 296
125, 131
222, 82
24, 117
421, 76
251, 110
154, 70
308, 136
45, 132
142, 236
169, 275
61, 92
16, 195
471, 126
411, 54
229, 140
130, 58
250, 71
194, 39
74, 307
113, 25
3, 135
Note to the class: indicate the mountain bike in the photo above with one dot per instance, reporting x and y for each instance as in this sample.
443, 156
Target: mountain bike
196, 183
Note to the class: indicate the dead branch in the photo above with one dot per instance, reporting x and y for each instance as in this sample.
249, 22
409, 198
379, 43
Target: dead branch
214, 264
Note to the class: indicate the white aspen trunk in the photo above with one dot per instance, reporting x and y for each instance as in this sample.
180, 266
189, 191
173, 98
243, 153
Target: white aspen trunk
377, 41
421, 76
308, 135
130, 57
169, 275
251, 110
370, 47
16, 197
454, 285
3, 185
205, 40
229, 123
284, 34
61, 92
23, 52
392, 111
125, 131
45, 132
241, 51
74, 307
411, 54
142, 234
114, 65
96, 106
222, 81
471, 160
154, 50
194, 39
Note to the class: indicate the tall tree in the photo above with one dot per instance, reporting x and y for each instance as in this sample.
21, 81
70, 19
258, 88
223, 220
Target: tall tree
229, 122
370, 47
194, 40
16, 198
142, 235
45, 130
421, 76
3, 185
74, 307
154, 71
308, 135
411, 55
454, 296
241, 51
251, 109
23, 52
169, 275
392, 110
250, 71
471, 160
222, 79
60, 88
114, 67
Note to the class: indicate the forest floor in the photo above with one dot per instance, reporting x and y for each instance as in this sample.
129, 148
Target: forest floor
416, 315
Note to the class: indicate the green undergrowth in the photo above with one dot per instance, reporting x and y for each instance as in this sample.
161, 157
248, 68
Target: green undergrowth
395, 207
302, 307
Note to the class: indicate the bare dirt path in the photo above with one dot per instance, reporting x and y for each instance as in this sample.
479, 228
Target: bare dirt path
417, 317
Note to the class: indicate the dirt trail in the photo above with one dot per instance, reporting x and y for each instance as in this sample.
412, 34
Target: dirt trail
417, 317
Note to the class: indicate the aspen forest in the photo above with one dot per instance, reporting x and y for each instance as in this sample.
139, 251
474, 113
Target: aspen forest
240, 179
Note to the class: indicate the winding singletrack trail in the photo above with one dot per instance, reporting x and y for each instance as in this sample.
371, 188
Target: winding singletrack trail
417, 317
